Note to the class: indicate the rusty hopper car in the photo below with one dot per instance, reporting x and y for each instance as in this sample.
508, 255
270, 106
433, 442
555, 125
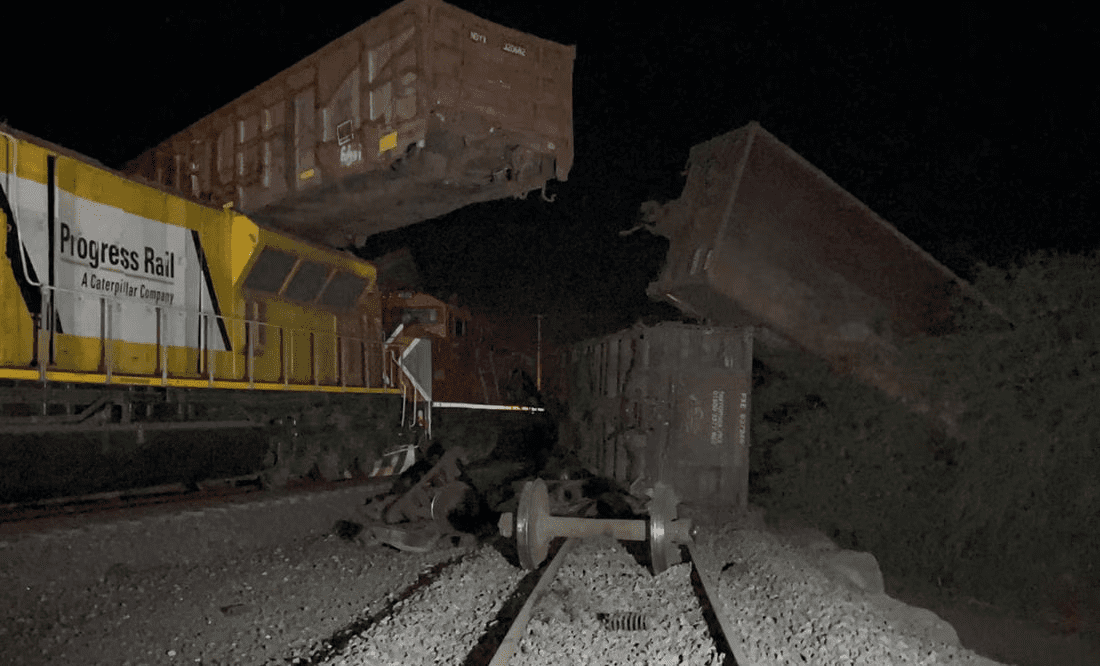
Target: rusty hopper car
420, 111
761, 237
666, 403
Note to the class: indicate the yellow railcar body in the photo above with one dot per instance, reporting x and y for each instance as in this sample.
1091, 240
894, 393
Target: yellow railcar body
17, 330
108, 280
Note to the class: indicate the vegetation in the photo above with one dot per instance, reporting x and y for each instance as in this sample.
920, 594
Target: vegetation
1004, 503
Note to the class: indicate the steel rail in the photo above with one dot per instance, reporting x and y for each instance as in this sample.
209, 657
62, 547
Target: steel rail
29, 516
510, 643
710, 589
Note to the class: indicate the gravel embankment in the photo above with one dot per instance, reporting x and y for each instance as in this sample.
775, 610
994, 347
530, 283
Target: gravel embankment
791, 605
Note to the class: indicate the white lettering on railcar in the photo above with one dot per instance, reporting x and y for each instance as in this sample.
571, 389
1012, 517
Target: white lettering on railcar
742, 420
515, 48
717, 416
478, 37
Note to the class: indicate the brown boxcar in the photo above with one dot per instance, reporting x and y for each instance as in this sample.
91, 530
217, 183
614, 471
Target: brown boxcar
666, 403
422, 110
761, 237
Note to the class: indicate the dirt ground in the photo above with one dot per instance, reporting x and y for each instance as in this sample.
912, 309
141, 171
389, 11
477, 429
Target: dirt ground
996, 634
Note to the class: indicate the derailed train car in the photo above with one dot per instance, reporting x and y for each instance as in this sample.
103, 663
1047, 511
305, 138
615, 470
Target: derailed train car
420, 111
667, 403
134, 318
761, 237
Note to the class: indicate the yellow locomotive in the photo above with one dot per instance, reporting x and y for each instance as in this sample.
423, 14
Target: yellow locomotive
121, 299
107, 280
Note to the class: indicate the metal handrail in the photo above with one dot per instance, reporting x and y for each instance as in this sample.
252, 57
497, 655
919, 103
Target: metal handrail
249, 328
13, 199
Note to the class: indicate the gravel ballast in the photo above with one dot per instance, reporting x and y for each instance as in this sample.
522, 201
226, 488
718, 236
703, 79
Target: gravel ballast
187, 588
793, 605
441, 623
605, 608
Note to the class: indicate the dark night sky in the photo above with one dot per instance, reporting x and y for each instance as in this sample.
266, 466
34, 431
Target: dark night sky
973, 132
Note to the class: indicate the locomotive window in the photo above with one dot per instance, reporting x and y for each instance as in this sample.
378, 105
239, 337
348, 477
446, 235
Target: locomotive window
419, 315
307, 282
342, 290
269, 271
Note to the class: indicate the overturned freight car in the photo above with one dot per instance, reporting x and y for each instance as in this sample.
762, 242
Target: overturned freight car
666, 403
761, 237
420, 111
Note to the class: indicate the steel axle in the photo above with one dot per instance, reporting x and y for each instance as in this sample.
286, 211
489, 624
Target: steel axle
535, 527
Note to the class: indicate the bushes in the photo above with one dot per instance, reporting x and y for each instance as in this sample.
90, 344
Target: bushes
845, 457
1011, 501
1026, 487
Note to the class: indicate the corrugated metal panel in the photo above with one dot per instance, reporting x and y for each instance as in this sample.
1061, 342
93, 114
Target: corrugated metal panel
666, 403
422, 110
761, 237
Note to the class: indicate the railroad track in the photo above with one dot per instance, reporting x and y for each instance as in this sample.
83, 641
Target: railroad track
592, 603
268, 581
42, 514
102, 502
595, 601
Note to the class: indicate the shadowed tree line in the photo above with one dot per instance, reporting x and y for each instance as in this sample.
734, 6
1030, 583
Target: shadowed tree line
1006, 507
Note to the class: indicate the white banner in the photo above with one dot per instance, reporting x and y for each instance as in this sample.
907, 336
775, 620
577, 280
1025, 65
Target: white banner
114, 269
